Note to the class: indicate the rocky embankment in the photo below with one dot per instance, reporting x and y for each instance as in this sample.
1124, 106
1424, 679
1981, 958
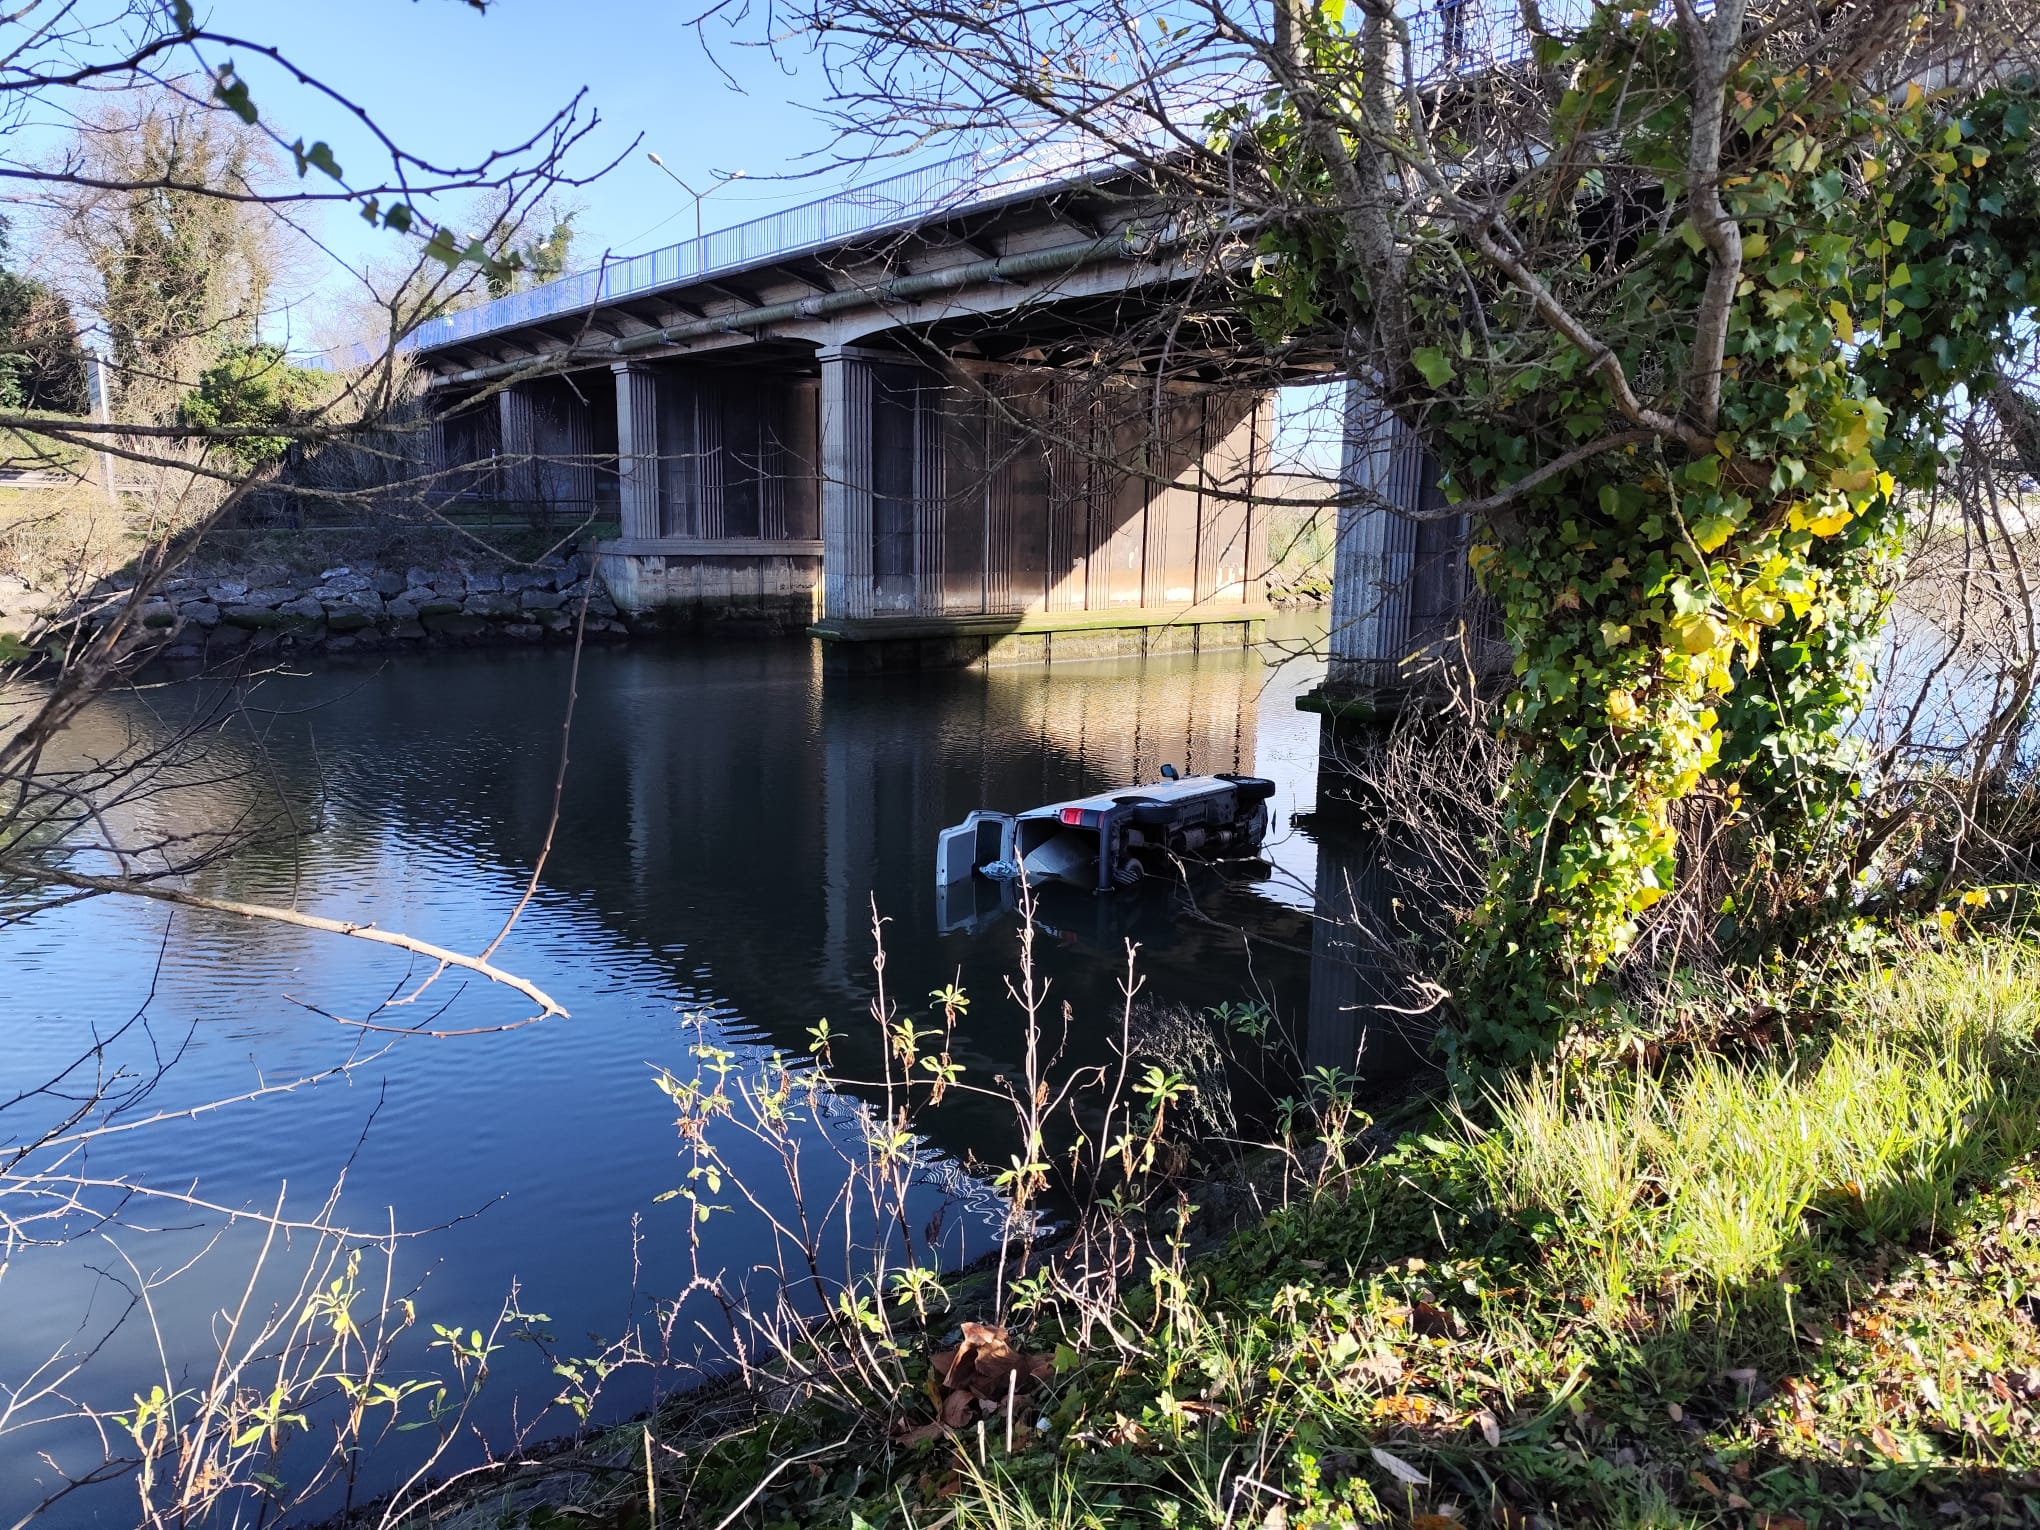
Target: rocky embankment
362, 608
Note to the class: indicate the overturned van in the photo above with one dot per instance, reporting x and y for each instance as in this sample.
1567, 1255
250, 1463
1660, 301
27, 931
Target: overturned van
1113, 839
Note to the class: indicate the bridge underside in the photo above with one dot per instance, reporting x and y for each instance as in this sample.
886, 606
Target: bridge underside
910, 506
907, 442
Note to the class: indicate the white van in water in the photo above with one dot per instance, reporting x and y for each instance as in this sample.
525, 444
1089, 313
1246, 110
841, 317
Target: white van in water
1111, 839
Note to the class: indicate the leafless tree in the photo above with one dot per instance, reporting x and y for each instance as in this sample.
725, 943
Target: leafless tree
181, 202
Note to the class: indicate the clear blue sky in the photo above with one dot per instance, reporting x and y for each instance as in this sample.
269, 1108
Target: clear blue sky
449, 83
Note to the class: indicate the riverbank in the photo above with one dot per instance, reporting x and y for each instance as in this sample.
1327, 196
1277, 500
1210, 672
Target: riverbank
206, 615
1788, 1279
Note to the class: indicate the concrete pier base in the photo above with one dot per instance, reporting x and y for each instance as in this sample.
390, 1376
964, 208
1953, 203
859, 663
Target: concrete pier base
862, 645
716, 586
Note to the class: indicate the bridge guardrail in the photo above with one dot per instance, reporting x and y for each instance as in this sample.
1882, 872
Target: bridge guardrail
912, 196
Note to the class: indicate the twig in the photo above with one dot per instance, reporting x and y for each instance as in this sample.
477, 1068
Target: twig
136, 887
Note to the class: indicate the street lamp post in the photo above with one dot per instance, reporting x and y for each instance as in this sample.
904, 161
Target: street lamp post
722, 179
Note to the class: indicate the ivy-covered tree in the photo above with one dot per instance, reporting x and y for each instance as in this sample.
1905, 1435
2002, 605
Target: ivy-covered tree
534, 251
1688, 363
42, 365
1678, 296
255, 385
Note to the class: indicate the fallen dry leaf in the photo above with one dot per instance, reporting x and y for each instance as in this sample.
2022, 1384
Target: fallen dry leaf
1490, 1426
976, 1379
1398, 1468
1386, 1369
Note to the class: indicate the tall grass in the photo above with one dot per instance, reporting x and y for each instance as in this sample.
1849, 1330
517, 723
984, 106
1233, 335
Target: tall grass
1714, 1173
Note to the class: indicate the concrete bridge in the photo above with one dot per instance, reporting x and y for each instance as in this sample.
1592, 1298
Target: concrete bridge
880, 417
876, 417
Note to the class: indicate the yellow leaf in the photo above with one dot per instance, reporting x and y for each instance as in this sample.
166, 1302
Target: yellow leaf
1845, 326
1853, 480
1710, 531
1697, 634
1621, 708
1827, 525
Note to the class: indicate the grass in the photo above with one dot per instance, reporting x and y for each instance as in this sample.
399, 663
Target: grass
1795, 1285
1709, 1176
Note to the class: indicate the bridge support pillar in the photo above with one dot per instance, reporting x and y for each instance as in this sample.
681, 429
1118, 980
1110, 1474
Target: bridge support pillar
517, 436
846, 453
637, 449
1406, 616
1376, 550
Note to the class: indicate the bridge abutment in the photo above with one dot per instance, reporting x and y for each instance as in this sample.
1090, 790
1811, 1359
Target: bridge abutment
911, 509
1408, 623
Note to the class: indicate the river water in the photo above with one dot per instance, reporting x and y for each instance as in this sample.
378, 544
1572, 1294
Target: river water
730, 815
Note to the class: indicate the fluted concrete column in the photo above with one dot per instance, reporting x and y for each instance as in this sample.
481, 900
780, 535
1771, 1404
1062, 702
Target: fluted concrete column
517, 464
637, 449
1377, 545
846, 484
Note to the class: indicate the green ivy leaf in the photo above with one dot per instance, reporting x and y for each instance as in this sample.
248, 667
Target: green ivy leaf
232, 92
1434, 364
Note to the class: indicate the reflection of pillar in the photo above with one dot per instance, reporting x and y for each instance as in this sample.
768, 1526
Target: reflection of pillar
1364, 1005
637, 450
846, 484
516, 477
649, 806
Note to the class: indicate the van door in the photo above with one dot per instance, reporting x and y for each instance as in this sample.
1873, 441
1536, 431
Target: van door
978, 841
